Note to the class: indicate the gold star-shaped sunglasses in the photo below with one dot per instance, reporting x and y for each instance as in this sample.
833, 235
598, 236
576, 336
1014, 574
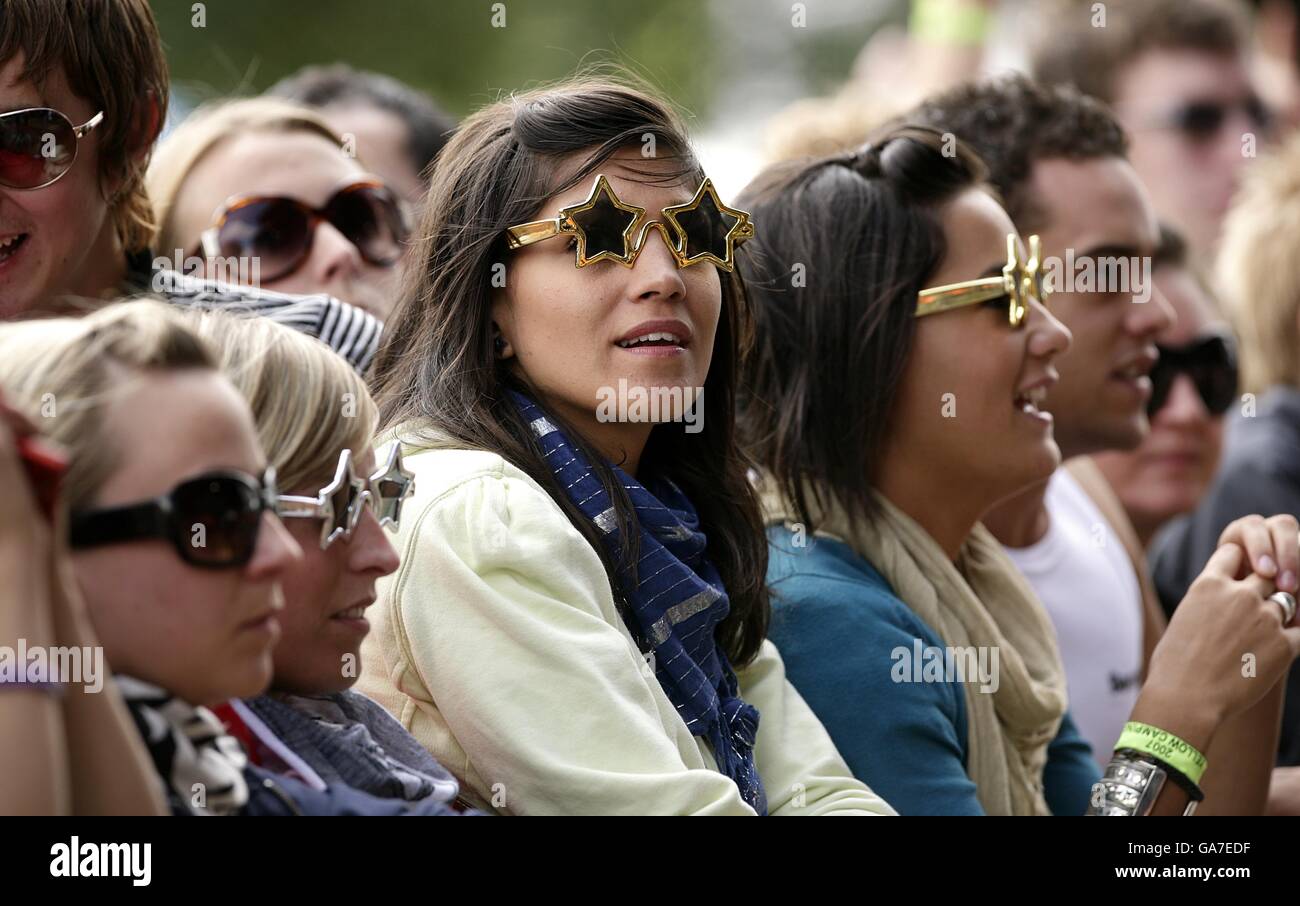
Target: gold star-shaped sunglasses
1021, 282
606, 228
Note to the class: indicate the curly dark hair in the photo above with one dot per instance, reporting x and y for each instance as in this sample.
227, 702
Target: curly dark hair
1012, 122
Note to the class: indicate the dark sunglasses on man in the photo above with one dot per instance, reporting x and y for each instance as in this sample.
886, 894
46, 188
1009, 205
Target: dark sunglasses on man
1202, 120
212, 520
38, 145
279, 231
1210, 362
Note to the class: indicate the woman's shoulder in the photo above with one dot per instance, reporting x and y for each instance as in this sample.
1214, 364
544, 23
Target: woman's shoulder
451, 474
820, 578
475, 508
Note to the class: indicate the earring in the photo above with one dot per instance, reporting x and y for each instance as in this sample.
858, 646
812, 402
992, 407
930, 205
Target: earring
499, 345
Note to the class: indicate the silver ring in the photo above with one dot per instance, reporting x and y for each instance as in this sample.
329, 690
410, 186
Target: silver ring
1287, 602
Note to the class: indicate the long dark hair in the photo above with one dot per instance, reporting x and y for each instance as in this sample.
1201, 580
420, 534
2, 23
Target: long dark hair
846, 243
437, 365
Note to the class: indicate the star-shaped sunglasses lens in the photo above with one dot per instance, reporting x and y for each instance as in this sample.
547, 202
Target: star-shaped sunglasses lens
605, 228
390, 486
340, 503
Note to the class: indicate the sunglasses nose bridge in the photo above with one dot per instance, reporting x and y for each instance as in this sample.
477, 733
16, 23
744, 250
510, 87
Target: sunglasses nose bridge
1184, 398
643, 237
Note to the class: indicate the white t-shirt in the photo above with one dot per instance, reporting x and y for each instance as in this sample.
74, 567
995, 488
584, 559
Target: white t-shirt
1084, 577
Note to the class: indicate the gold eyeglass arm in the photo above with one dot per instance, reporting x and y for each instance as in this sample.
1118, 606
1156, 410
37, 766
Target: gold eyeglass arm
956, 295
536, 231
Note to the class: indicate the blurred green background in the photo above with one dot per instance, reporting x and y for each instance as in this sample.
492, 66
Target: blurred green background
729, 65
698, 51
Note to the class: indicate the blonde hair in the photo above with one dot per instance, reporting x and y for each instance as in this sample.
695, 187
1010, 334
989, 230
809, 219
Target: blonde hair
307, 401
64, 371
817, 127
1259, 269
207, 128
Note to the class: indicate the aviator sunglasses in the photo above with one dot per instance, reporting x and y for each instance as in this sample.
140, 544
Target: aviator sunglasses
38, 145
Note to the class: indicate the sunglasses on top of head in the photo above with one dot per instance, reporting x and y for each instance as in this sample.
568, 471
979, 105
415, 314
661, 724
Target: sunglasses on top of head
38, 145
279, 230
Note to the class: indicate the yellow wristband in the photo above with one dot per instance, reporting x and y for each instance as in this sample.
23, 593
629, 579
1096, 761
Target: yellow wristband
1165, 746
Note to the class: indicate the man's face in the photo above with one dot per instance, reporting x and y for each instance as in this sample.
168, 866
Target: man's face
58, 239
1097, 215
1194, 121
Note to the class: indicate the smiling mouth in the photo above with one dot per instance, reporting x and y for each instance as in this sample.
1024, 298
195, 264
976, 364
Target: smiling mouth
9, 246
1134, 372
658, 338
352, 613
1030, 402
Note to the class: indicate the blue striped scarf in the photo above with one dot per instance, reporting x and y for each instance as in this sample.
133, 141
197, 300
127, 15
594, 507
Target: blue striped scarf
675, 606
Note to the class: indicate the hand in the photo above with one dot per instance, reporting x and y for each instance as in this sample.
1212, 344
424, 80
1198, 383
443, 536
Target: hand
1284, 792
26, 543
1225, 646
1272, 546
20, 517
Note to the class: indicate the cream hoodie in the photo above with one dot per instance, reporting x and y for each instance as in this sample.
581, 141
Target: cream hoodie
498, 645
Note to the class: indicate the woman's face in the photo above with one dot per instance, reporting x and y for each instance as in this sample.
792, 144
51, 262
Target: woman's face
1176, 461
965, 411
205, 635
567, 328
326, 594
299, 165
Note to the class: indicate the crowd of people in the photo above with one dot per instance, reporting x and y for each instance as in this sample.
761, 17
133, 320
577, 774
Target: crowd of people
966, 487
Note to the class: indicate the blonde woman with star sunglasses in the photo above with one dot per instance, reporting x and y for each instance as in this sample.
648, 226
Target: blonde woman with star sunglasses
578, 624
315, 418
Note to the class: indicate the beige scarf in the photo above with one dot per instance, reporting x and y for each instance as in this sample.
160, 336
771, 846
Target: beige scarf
982, 600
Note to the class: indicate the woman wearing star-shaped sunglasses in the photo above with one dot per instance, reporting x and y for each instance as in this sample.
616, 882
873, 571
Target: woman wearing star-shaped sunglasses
578, 623
189, 574
340, 498
892, 400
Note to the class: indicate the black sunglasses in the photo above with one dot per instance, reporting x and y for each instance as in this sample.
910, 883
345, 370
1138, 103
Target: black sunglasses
279, 230
1210, 362
212, 520
1202, 120
39, 145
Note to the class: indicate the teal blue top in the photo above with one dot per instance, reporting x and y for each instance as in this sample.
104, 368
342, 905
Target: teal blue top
838, 623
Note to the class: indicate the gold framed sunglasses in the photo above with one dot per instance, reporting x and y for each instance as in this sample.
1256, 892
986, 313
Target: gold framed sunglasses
605, 228
1021, 281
